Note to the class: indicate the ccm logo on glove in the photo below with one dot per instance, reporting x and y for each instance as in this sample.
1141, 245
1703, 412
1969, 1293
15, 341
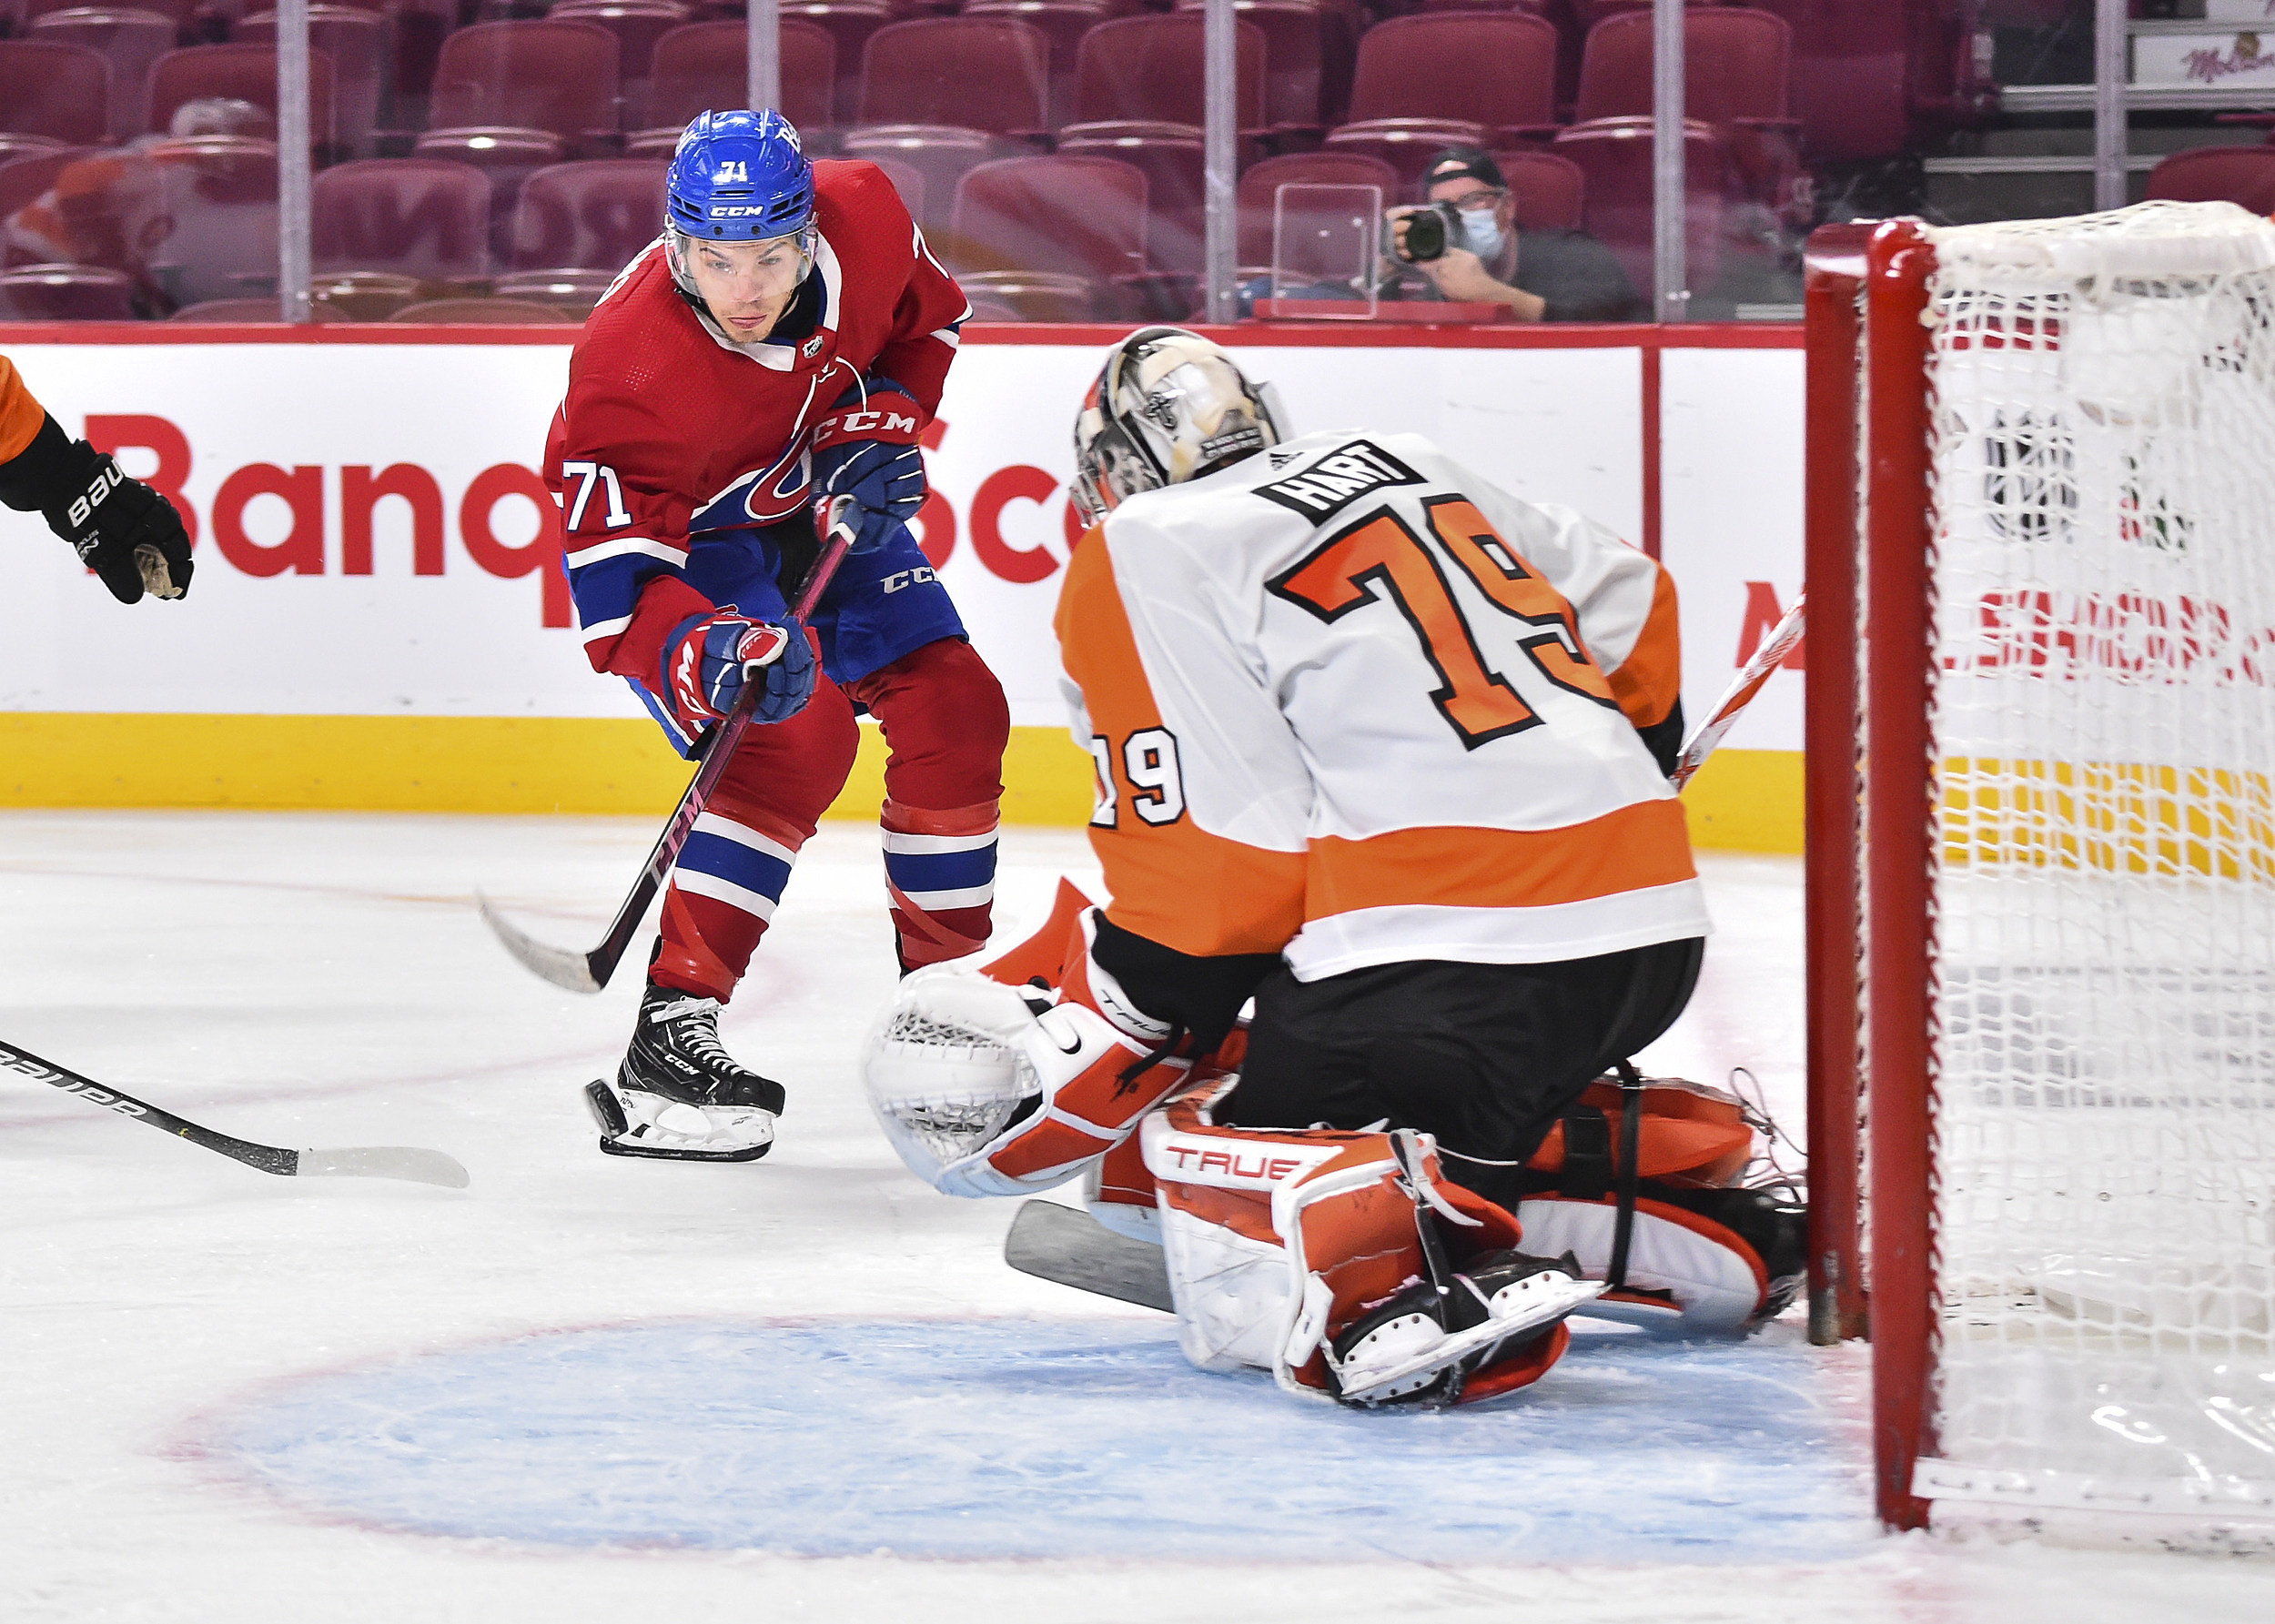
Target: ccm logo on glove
882, 423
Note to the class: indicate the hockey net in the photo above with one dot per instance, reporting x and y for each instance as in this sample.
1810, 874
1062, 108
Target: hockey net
2055, 779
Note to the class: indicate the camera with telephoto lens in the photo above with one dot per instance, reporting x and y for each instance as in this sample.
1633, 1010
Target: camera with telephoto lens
1430, 230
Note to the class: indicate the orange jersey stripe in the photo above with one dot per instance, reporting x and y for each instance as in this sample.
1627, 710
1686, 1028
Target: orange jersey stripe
1650, 681
1636, 847
1172, 882
20, 415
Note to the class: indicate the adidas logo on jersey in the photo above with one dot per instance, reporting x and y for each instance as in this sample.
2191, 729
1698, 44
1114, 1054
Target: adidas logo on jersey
1338, 480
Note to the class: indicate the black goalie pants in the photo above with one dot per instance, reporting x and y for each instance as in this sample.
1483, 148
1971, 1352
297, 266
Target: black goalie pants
1484, 1056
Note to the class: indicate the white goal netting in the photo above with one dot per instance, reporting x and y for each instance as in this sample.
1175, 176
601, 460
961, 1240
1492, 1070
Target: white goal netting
2103, 403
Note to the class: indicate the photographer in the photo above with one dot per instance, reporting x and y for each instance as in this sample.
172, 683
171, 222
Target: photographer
1463, 245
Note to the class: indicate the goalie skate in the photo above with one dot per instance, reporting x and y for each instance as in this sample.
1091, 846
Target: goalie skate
1417, 1347
679, 1095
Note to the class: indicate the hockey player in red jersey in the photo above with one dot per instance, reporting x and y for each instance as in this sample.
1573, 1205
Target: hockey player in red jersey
1385, 749
781, 344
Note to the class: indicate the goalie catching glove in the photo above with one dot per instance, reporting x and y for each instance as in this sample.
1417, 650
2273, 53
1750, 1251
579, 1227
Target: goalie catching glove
991, 1090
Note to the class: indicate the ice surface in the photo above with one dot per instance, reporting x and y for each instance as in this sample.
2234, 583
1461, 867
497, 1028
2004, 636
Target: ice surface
588, 1388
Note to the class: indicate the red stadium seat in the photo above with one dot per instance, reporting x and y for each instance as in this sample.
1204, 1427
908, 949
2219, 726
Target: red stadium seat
187, 16
638, 25
849, 23
942, 156
1736, 80
705, 66
1853, 68
67, 293
1077, 218
1174, 162
61, 92
1494, 69
237, 73
1295, 34
1406, 145
1614, 154
423, 218
456, 312
1551, 192
1063, 23
415, 32
238, 312
559, 77
1147, 70
359, 43
1260, 183
987, 73
129, 40
594, 215
2243, 174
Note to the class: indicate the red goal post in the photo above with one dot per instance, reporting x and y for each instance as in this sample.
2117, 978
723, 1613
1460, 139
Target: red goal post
2040, 794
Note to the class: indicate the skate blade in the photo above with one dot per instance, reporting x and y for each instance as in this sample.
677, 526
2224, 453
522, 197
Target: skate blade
615, 1128
1548, 1304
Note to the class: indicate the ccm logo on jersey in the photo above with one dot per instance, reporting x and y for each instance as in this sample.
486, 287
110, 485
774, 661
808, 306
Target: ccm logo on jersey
909, 577
1338, 480
1232, 1166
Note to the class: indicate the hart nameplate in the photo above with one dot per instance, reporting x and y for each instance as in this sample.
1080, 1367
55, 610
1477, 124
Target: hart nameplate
1336, 480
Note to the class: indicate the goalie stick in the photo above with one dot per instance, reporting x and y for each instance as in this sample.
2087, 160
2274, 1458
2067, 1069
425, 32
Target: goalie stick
588, 972
1780, 643
407, 1162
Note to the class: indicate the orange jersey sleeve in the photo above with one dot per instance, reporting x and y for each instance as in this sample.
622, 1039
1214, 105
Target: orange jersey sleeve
20, 415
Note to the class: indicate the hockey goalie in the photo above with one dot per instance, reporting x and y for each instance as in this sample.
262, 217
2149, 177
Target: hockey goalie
1383, 750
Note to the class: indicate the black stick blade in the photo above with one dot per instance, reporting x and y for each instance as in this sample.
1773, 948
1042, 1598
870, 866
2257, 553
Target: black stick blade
1065, 1244
575, 971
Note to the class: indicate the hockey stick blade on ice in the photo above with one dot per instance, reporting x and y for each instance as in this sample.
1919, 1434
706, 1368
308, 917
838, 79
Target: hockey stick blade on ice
1780, 643
588, 972
1068, 1246
382, 1161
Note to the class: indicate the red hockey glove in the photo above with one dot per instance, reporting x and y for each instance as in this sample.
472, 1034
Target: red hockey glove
864, 447
710, 657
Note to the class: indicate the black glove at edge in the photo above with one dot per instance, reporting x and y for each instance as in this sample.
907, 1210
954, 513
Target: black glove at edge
127, 533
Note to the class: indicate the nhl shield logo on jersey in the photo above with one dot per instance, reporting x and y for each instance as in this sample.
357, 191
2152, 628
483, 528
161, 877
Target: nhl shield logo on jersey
1338, 480
812, 346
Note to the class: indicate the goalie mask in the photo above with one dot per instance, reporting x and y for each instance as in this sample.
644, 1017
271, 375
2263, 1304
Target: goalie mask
1168, 405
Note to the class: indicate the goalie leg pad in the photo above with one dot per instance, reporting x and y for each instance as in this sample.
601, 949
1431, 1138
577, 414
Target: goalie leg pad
1685, 1271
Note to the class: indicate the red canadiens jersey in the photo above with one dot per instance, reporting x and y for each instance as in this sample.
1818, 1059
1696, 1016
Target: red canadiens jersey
668, 430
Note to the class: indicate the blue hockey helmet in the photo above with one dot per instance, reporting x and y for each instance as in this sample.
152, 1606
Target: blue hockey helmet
739, 177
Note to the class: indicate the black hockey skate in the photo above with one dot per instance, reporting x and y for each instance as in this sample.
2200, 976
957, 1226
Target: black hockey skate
679, 1095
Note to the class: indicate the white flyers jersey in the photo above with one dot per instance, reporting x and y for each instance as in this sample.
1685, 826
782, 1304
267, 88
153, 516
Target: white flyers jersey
1350, 702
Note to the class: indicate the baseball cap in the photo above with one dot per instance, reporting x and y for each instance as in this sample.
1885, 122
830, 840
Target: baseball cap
1463, 162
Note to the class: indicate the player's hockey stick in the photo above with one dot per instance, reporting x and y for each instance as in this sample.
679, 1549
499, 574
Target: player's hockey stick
1070, 1247
588, 972
1766, 658
421, 1167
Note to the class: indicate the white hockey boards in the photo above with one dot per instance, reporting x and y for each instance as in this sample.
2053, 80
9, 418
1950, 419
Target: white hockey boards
2041, 782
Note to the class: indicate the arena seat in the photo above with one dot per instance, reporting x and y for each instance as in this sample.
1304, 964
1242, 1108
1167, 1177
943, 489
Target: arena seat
1147, 70
1078, 219
67, 293
1736, 80
702, 66
1495, 69
1063, 23
2242, 174
1614, 154
558, 78
423, 217
848, 23
1295, 35
129, 40
487, 311
907, 180
1551, 192
941, 156
359, 43
985, 73
1851, 76
594, 215
185, 15
571, 292
1174, 161
58, 92
239, 312
1406, 145
244, 73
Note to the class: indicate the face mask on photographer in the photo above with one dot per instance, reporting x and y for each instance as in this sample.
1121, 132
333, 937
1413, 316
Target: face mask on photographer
1482, 229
